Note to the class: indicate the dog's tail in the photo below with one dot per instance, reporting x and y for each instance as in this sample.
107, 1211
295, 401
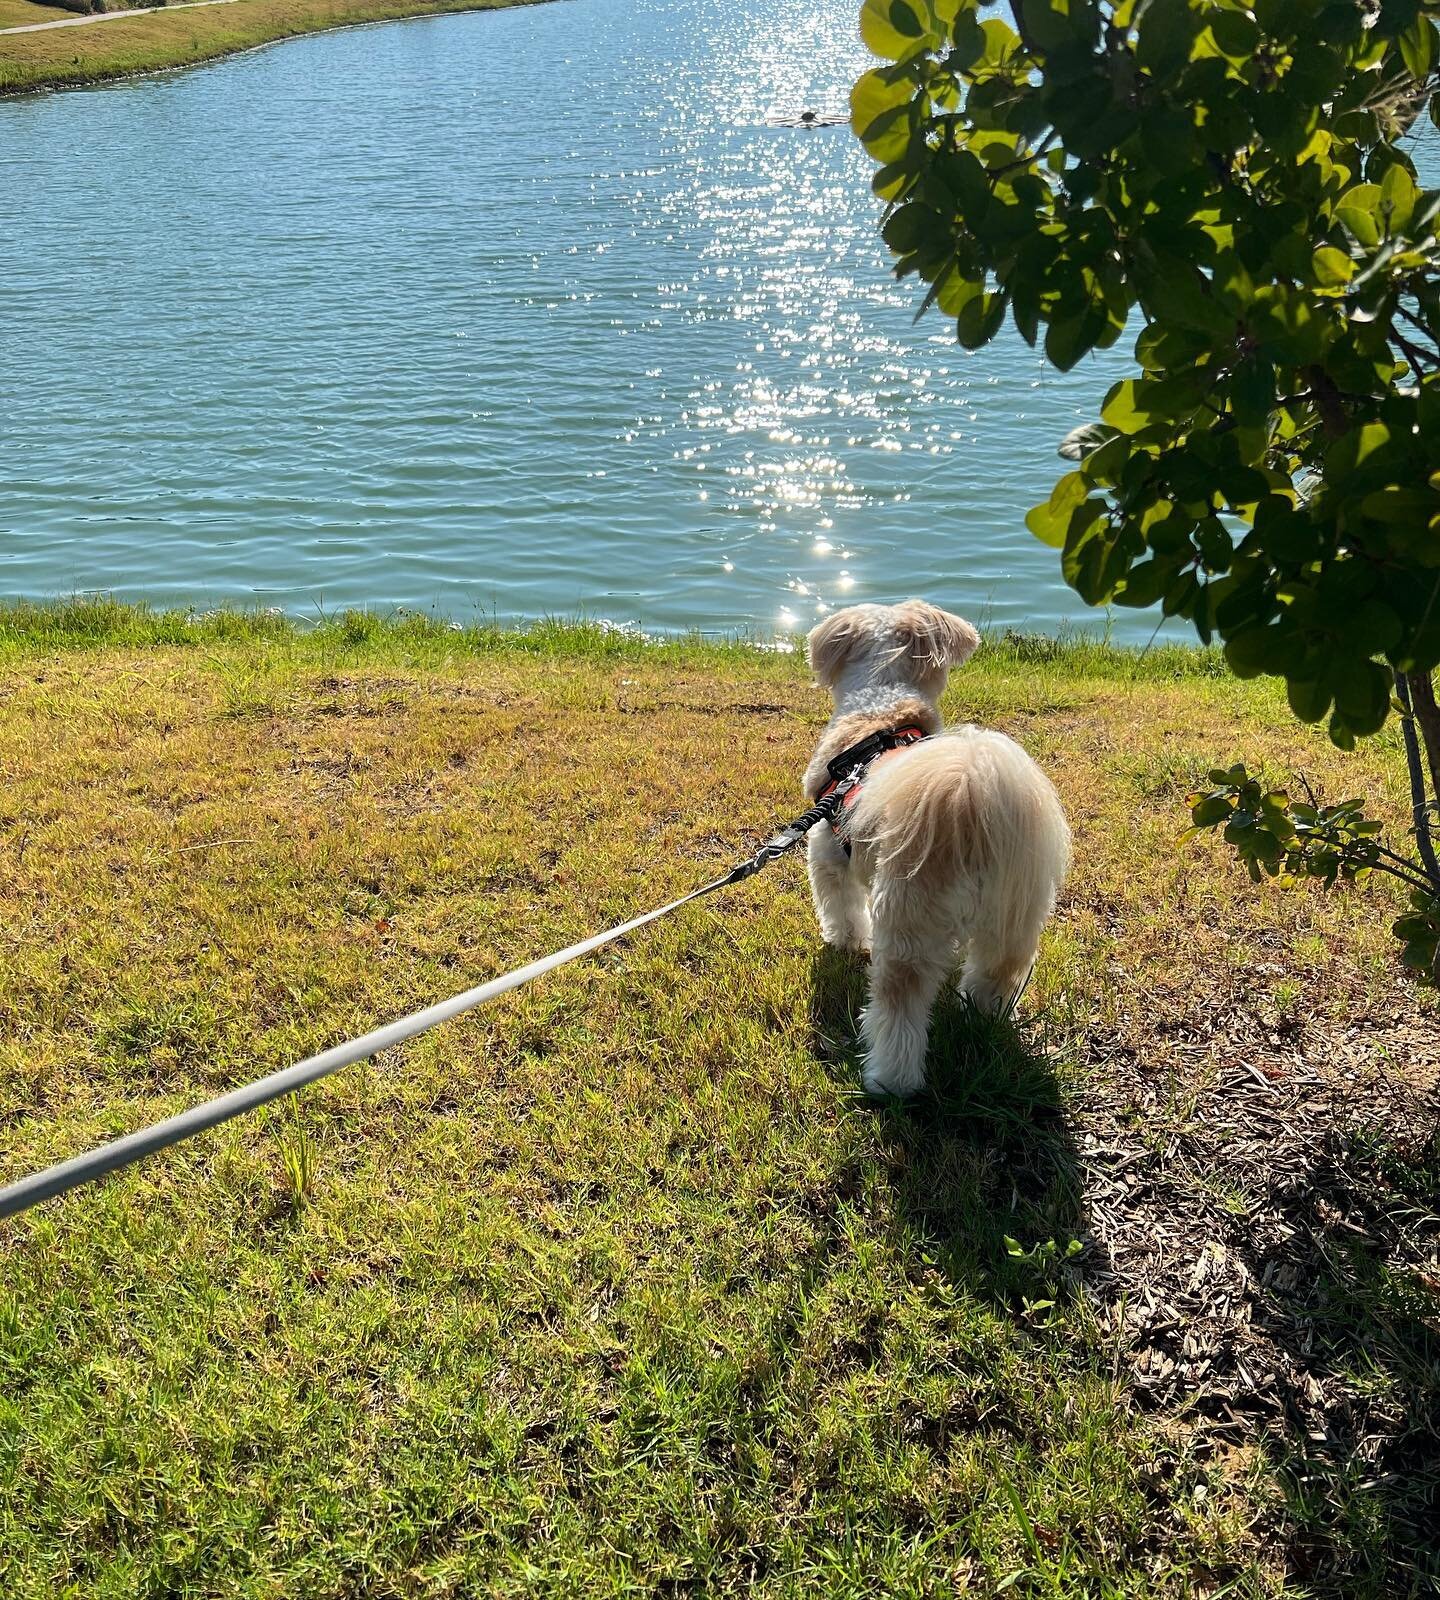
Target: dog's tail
971, 803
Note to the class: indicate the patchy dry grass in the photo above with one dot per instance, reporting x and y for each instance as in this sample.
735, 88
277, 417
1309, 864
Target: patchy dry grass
618, 1287
179, 38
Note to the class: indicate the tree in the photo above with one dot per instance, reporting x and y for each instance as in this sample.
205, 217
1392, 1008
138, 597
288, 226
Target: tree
1230, 181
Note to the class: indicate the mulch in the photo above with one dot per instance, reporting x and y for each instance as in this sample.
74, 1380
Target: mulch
1263, 1209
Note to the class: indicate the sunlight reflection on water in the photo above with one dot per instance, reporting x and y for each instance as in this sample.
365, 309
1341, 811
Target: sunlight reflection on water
519, 313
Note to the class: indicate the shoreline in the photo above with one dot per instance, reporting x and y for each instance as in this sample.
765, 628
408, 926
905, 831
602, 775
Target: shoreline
169, 38
98, 622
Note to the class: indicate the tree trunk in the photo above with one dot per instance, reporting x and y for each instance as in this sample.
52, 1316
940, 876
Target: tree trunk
1417, 695
1427, 717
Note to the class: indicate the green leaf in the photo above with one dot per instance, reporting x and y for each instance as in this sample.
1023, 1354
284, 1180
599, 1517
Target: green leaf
893, 29
1417, 48
908, 227
1251, 652
1047, 525
953, 293
1210, 811
1362, 697
1372, 628
1066, 342
1051, 522
1144, 584
1121, 409
1235, 34
1358, 213
1402, 507
1332, 267
1001, 42
1398, 195
1081, 441
1308, 700
1167, 34
877, 101
892, 180
1179, 293
979, 320
966, 179
904, 21
1252, 390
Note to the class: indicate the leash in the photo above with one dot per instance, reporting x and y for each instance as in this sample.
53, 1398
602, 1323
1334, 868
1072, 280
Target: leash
67, 1175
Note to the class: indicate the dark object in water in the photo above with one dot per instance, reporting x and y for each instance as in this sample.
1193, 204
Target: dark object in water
807, 119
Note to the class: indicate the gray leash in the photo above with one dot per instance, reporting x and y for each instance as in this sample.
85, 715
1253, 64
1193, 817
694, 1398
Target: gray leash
66, 1175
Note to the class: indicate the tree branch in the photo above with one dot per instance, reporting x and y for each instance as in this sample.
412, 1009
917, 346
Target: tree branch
1421, 360
1328, 402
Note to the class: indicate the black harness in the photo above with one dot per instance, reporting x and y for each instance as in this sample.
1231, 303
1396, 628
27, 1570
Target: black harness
850, 768
847, 772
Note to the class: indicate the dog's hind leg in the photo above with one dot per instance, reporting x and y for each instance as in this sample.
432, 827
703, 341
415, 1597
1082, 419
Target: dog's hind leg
896, 1025
1002, 951
993, 974
839, 895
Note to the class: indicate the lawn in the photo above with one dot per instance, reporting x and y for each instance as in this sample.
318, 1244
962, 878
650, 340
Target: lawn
20, 13
181, 37
618, 1286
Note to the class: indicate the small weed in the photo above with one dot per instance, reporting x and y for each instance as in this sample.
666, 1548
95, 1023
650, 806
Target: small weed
246, 689
298, 1156
172, 1034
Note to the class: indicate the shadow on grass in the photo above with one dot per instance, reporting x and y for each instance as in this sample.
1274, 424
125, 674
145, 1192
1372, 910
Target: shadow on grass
1321, 1344
1351, 1300
983, 1161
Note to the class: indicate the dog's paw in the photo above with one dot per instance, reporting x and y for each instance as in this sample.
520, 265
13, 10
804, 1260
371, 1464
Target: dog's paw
986, 995
884, 1083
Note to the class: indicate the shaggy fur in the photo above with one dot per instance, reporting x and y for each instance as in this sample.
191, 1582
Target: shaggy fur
959, 843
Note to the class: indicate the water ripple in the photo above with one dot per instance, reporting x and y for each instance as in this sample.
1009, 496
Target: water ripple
519, 313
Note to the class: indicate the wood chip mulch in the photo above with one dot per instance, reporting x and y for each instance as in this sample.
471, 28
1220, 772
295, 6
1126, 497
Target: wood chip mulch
1263, 1206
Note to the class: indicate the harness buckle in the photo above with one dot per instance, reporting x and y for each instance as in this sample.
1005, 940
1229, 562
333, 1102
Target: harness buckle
860, 755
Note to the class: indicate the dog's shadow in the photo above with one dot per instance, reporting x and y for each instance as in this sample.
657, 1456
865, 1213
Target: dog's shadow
982, 1165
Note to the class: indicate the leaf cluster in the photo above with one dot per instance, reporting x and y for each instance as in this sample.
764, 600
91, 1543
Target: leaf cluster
1281, 838
1227, 184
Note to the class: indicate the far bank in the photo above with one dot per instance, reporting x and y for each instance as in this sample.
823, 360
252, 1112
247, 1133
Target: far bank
153, 41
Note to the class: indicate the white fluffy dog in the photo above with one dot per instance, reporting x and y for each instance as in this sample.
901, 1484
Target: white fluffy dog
958, 842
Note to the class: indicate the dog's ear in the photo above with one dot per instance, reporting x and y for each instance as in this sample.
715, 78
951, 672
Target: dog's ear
830, 643
935, 638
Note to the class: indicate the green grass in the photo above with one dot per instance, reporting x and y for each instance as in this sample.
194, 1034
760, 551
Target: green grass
617, 1286
177, 38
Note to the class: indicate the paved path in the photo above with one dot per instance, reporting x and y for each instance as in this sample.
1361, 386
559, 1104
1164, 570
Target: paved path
113, 16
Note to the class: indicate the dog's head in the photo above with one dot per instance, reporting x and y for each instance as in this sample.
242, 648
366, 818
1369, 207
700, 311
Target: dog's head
912, 645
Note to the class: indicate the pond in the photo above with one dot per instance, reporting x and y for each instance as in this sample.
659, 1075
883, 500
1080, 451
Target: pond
504, 314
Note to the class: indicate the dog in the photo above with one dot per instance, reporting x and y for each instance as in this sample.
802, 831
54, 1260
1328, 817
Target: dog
957, 843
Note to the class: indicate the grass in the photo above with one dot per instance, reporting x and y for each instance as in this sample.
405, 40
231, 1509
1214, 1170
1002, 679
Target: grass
20, 13
164, 39
618, 1286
